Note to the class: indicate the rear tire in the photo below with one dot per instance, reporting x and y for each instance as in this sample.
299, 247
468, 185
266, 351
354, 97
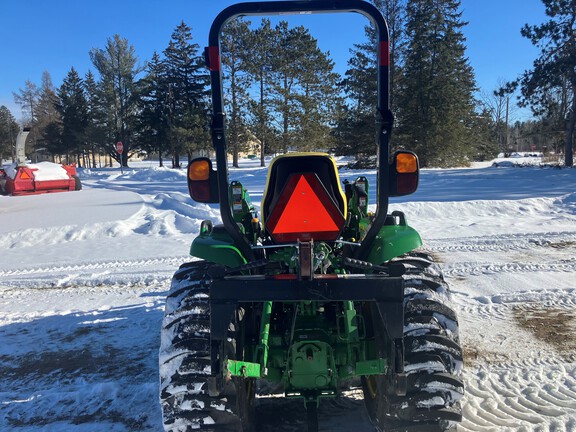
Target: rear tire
188, 392
432, 354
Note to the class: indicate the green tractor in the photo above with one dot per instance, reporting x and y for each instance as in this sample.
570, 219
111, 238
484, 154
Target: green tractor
314, 295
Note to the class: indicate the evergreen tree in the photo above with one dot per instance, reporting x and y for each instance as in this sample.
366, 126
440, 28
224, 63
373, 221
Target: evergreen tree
318, 100
235, 53
394, 12
304, 89
73, 109
152, 124
118, 69
555, 70
8, 132
96, 130
261, 45
47, 114
485, 142
187, 94
356, 128
288, 51
436, 104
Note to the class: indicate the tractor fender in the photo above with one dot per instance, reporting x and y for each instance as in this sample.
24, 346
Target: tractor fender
217, 246
393, 241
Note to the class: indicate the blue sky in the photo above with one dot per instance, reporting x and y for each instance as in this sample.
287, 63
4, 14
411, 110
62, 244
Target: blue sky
56, 35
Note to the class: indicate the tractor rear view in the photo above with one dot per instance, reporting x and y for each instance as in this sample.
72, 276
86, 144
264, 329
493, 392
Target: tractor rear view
313, 294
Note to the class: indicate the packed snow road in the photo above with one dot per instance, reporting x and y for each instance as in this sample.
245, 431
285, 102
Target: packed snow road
83, 276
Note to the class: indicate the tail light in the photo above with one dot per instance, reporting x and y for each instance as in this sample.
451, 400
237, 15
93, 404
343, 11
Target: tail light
404, 173
202, 181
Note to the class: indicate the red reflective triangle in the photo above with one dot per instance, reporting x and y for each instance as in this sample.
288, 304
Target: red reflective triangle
305, 211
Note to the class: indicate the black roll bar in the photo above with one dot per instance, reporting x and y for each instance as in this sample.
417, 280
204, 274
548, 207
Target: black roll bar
384, 118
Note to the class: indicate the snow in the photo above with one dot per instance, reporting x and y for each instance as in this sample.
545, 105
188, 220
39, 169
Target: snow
42, 171
83, 277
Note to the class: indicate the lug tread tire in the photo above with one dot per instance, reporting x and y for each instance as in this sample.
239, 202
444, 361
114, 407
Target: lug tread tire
184, 359
432, 359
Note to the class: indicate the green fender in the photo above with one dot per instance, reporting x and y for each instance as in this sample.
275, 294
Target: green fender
218, 247
393, 241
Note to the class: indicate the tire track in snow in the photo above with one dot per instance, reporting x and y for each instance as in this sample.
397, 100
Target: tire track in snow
464, 269
137, 272
517, 388
510, 399
171, 261
497, 304
500, 242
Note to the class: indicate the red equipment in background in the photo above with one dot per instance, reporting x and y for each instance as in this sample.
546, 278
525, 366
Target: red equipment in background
28, 179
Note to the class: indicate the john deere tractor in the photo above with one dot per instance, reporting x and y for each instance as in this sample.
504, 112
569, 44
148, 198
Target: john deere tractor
314, 293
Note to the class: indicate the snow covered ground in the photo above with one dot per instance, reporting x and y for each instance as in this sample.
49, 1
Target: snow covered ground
83, 277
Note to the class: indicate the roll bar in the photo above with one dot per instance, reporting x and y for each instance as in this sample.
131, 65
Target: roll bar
384, 118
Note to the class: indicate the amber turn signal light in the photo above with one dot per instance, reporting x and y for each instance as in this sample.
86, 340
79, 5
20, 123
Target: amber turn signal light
406, 163
199, 170
404, 174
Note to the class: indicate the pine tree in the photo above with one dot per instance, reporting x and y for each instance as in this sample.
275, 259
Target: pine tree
304, 89
555, 70
47, 114
96, 130
235, 53
73, 109
261, 45
152, 123
8, 132
436, 103
118, 69
187, 94
356, 129
318, 99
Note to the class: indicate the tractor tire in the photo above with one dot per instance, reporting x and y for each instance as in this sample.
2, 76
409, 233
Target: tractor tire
432, 357
191, 398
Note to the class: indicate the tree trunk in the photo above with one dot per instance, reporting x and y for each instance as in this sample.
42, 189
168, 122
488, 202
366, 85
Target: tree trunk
262, 163
568, 157
93, 156
262, 125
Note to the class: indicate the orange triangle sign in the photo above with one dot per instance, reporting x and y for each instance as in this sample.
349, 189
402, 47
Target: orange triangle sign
305, 211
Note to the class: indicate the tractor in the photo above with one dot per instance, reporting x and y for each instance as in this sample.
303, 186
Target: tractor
315, 293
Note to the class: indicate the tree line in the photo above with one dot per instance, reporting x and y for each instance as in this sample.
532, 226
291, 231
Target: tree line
282, 93
159, 107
